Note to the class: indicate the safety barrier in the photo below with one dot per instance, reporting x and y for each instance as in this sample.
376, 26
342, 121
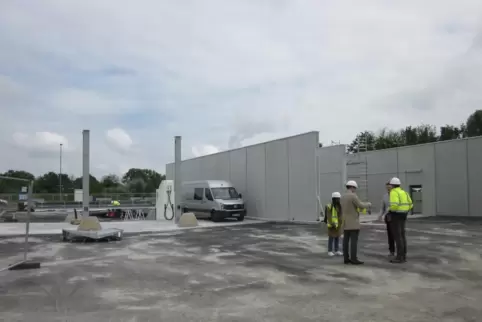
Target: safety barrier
25, 263
134, 214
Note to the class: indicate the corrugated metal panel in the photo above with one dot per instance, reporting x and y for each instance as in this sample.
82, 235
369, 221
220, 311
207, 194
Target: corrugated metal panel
256, 180
277, 180
451, 181
475, 176
302, 177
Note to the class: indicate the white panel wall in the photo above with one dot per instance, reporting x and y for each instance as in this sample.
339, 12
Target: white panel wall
256, 180
170, 171
416, 166
237, 169
451, 178
474, 155
190, 170
331, 171
277, 180
302, 177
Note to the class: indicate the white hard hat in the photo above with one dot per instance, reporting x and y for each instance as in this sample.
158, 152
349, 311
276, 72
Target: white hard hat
352, 183
336, 195
395, 181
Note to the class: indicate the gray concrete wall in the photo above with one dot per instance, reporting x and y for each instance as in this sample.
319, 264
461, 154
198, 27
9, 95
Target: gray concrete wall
448, 172
413, 165
277, 178
451, 178
474, 165
331, 171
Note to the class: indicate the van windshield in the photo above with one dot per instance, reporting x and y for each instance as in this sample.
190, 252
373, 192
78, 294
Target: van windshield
225, 193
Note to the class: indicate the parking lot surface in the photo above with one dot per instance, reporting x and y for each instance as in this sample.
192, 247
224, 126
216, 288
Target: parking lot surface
258, 272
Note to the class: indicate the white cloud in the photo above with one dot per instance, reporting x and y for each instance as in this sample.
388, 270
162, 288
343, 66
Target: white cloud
198, 151
224, 74
119, 140
45, 143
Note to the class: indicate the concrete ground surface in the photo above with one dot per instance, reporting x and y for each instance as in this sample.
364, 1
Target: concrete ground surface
131, 226
257, 272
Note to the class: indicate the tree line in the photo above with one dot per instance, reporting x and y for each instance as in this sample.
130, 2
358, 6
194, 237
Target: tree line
133, 181
412, 135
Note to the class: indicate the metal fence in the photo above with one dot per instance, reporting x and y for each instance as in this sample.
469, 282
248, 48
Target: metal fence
55, 198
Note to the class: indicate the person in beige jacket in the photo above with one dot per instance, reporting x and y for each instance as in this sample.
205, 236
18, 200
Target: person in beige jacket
351, 207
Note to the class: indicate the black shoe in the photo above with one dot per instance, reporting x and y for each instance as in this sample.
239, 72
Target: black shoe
357, 262
397, 260
347, 262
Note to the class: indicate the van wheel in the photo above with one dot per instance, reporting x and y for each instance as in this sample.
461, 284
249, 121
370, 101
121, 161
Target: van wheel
214, 216
240, 218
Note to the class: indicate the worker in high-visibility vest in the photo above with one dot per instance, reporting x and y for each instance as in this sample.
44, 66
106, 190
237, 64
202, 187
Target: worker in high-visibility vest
334, 223
384, 208
400, 204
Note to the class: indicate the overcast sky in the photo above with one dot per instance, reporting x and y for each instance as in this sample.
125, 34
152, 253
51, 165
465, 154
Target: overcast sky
223, 74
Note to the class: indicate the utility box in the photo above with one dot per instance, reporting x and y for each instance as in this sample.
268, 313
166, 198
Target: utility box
78, 195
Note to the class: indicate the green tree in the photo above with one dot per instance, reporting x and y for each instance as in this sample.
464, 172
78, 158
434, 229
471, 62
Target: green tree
474, 124
47, 183
387, 139
364, 141
112, 183
13, 186
419, 134
142, 180
450, 132
94, 185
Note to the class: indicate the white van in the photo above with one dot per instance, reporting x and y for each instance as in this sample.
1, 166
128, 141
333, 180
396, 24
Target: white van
212, 199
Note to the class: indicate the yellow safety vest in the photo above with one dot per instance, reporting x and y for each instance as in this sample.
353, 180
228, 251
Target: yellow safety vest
400, 201
334, 216
363, 211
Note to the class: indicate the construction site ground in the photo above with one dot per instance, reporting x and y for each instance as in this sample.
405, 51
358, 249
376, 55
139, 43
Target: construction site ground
255, 272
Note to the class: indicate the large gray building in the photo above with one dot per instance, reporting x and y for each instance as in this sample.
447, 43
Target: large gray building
282, 179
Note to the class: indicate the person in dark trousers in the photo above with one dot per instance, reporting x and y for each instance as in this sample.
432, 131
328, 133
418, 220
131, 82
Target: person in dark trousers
383, 217
399, 207
334, 224
351, 207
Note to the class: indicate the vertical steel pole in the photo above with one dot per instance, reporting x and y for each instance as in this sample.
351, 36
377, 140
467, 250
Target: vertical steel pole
177, 178
60, 175
85, 173
27, 224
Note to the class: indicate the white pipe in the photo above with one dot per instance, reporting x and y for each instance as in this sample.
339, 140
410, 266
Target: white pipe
85, 173
177, 178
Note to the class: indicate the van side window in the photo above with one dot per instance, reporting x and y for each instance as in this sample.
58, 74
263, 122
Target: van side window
208, 194
198, 193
